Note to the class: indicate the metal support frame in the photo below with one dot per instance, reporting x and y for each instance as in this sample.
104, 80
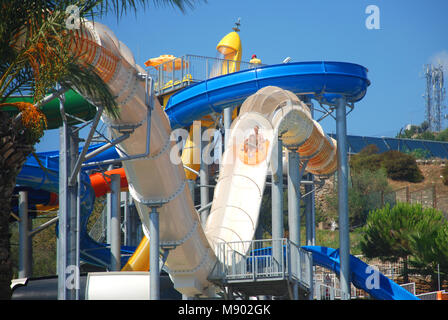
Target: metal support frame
154, 252
81, 157
344, 235
277, 198
227, 123
126, 130
204, 181
70, 165
294, 212
310, 213
115, 222
68, 262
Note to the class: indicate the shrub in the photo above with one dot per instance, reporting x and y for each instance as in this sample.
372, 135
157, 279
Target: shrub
445, 176
367, 159
364, 195
401, 166
398, 165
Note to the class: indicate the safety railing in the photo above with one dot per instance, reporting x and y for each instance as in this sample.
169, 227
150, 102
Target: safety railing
262, 259
186, 70
326, 292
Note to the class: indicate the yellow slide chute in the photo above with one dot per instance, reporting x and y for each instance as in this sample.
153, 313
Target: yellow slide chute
140, 259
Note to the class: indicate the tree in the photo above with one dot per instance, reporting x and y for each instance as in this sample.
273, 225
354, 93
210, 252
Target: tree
443, 135
429, 247
365, 193
35, 55
408, 232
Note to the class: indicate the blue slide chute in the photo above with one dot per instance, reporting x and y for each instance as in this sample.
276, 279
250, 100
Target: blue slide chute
34, 176
362, 275
321, 80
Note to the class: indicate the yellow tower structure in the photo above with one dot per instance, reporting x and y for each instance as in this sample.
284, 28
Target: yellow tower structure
230, 48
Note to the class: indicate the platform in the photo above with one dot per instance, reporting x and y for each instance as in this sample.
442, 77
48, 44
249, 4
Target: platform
263, 267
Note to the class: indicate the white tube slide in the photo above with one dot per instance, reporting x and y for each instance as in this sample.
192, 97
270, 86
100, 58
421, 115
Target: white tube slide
154, 178
268, 114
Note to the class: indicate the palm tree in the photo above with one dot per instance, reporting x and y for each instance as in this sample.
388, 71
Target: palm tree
34, 58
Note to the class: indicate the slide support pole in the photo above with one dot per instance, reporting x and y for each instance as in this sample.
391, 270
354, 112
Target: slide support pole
277, 201
227, 123
154, 249
344, 236
68, 268
115, 221
204, 180
310, 212
294, 214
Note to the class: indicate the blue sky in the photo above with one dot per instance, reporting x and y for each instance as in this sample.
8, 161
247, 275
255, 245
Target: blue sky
413, 33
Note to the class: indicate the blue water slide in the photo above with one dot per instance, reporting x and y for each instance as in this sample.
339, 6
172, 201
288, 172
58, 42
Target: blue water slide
361, 275
34, 197
34, 176
322, 80
107, 154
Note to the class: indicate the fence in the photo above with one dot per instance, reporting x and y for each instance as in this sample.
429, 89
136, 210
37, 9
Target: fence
428, 197
186, 70
327, 285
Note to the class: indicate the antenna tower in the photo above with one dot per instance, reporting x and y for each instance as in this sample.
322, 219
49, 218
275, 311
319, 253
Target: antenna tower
434, 97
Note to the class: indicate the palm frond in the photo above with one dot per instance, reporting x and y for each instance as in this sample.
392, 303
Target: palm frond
88, 83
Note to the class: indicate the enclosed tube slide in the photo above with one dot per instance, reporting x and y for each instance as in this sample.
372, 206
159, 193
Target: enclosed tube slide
190, 262
265, 116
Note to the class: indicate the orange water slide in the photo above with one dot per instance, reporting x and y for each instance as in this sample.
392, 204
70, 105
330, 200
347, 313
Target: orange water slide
101, 185
101, 181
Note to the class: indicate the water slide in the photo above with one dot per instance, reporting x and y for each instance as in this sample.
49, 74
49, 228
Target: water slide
75, 105
272, 113
43, 178
362, 275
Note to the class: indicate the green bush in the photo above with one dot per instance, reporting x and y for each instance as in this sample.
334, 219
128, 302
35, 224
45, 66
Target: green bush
367, 159
401, 166
398, 165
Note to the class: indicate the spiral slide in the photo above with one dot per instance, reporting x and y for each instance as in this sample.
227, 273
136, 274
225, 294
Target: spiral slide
274, 111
